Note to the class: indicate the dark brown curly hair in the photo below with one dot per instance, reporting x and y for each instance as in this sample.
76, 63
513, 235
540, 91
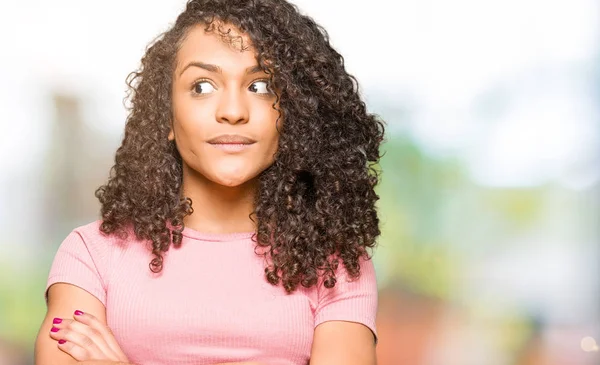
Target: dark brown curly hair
315, 205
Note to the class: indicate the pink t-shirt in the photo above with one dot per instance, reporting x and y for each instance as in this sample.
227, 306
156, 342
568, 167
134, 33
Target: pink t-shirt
211, 302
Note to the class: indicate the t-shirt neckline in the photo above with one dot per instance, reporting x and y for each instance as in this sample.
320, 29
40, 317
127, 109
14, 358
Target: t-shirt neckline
216, 237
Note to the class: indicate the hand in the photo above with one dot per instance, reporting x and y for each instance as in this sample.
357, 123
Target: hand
85, 338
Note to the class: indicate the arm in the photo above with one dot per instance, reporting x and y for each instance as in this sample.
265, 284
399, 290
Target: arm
63, 300
345, 332
343, 343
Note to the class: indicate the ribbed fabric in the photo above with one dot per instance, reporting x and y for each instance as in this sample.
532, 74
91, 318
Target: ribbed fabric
211, 302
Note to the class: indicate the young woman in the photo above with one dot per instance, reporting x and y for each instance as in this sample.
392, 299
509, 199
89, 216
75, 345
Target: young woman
239, 216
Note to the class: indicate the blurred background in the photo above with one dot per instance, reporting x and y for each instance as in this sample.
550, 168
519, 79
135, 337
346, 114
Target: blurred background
491, 179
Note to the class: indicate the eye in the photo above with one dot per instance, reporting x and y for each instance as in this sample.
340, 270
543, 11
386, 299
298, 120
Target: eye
260, 87
203, 87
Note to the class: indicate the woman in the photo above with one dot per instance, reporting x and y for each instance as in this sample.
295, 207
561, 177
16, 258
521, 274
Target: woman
238, 217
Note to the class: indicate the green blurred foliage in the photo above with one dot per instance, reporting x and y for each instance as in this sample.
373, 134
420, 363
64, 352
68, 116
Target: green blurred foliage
416, 192
22, 305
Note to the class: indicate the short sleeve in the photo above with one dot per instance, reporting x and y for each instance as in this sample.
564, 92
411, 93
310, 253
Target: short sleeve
79, 264
352, 301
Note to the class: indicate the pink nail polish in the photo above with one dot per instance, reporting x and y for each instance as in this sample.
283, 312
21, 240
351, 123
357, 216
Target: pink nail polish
54, 329
61, 341
78, 312
57, 320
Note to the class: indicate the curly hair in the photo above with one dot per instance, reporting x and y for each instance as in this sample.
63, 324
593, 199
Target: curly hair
315, 205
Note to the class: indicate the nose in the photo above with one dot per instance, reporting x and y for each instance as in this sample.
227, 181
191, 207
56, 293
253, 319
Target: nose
232, 108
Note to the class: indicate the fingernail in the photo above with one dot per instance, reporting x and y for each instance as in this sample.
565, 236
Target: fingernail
54, 329
57, 320
78, 312
61, 341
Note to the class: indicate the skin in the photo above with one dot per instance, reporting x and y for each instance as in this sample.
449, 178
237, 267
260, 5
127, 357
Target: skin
230, 100
234, 100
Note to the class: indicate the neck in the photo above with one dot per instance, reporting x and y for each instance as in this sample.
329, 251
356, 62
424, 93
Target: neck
217, 208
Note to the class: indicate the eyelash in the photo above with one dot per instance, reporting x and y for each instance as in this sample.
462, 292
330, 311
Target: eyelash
195, 83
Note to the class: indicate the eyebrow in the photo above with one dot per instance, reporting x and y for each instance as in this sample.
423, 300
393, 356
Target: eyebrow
216, 69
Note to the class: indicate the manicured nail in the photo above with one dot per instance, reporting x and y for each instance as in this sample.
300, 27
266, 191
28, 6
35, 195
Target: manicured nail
54, 329
57, 320
78, 312
61, 341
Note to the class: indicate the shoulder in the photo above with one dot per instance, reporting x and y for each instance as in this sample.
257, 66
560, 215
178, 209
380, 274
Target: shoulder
91, 235
367, 279
351, 299
349, 294
87, 243
91, 231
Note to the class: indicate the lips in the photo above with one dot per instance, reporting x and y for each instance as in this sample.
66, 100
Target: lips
231, 143
232, 139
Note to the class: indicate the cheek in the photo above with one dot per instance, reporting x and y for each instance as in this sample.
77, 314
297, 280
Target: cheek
273, 147
270, 144
270, 130
190, 126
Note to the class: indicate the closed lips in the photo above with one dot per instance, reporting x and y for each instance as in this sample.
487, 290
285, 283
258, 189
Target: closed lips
231, 139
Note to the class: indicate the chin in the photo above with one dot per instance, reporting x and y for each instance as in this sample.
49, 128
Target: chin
232, 181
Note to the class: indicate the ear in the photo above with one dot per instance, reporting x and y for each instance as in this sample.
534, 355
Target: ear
171, 136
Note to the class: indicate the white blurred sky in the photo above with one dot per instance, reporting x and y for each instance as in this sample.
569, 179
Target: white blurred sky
530, 61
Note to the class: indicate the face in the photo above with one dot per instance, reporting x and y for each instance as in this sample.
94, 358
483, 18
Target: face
224, 123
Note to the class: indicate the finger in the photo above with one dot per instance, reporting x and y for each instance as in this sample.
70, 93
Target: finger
76, 352
92, 322
79, 353
58, 326
79, 346
95, 337
69, 343
61, 322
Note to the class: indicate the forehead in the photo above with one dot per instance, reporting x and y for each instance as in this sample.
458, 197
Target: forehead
222, 45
